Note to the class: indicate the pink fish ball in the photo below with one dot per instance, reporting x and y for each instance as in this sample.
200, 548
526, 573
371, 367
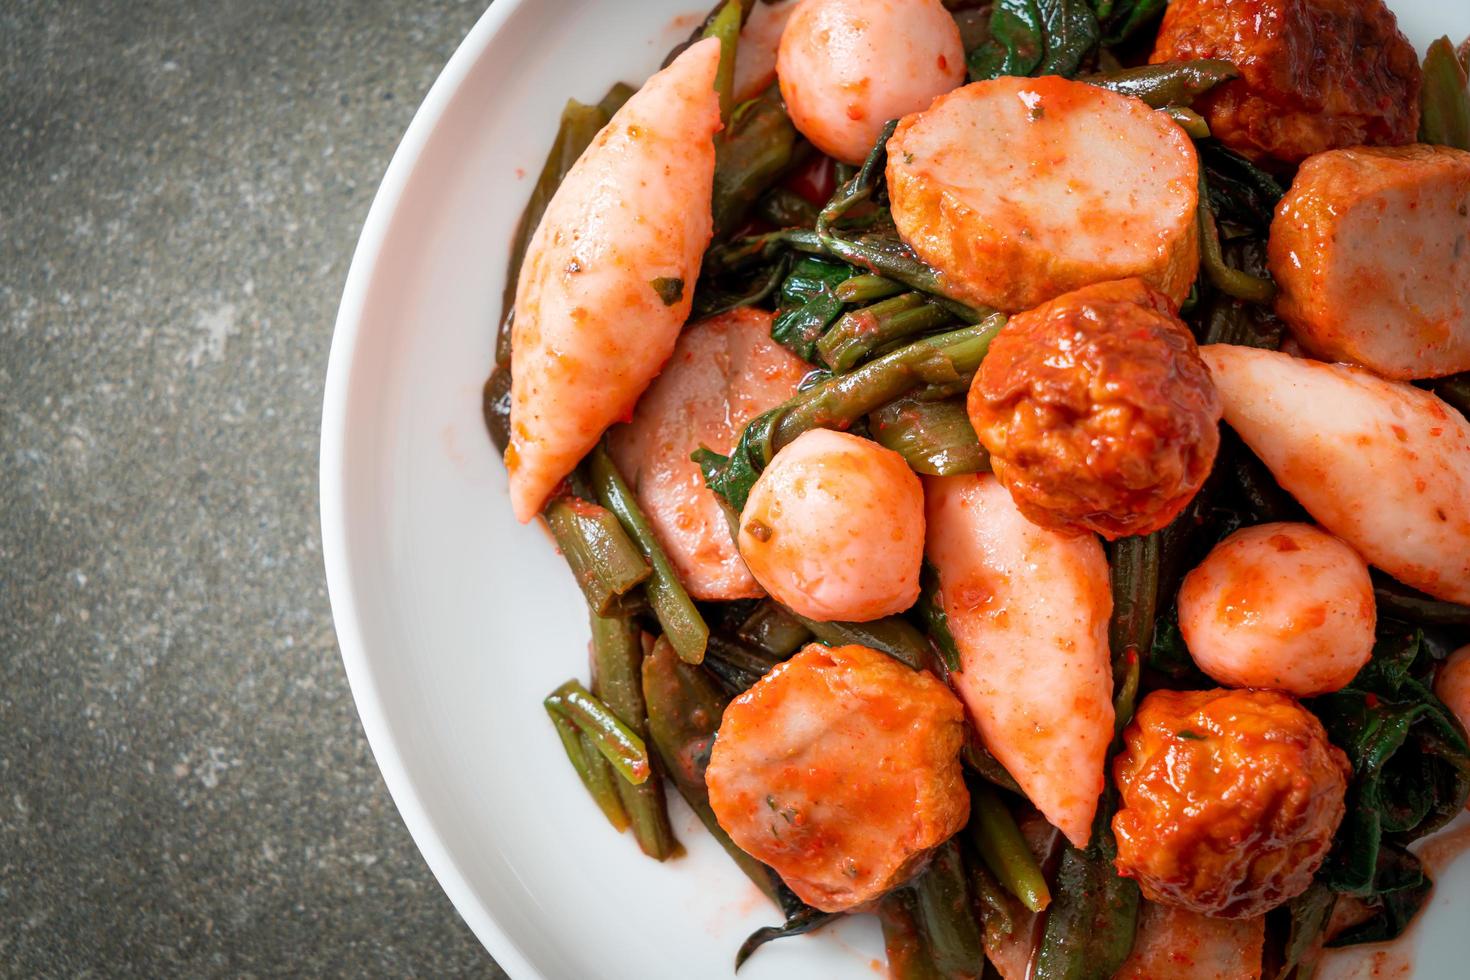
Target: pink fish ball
1452, 686
846, 67
834, 529
1282, 606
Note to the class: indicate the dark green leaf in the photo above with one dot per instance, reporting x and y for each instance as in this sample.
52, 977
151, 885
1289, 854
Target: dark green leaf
809, 304
670, 289
1401, 889
751, 155
1410, 761
1071, 32
803, 921
1035, 37
1121, 19
1170, 657
931, 610
1015, 45
1240, 192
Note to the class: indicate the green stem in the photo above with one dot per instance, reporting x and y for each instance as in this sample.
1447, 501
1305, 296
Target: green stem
930, 608
617, 657
903, 940
867, 288
1232, 282
1172, 84
726, 27
935, 437
604, 561
949, 359
676, 612
756, 149
860, 332
684, 711
863, 184
1191, 122
592, 769
946, 914
774, 629
997, 838
893, 636
735, 665
1135, 582
946, 358
619, 744
1397, 601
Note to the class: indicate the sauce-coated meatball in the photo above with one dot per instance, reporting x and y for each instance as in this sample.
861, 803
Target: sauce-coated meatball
1229, 800
840, 769
1097, 410
1314, 74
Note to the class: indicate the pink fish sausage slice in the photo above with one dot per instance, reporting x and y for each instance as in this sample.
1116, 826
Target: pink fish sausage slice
725, 371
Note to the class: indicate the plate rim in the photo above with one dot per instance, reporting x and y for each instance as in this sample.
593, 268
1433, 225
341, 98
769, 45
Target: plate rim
341, 588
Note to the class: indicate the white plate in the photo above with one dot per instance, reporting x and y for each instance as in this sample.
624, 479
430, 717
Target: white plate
454, 621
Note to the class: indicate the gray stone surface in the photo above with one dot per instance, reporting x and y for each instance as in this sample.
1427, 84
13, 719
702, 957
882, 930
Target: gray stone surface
184, 787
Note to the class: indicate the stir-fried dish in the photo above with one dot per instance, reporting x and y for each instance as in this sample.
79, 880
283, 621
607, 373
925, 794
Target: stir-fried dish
1015, 457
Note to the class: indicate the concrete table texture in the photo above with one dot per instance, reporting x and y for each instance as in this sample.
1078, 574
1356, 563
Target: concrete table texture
184, 786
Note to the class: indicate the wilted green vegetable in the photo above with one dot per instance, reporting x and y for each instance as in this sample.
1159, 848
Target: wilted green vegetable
1230, 281
945, 912
604, 561
837, 403
860, 332
676, 612
930, 609
1411, 776
798, 923
809, 304
1091, 923
725, 25
774, 629
753, 152
903, 941
619, 744
894, 636
1444, 99
595, 772
935, 437
1036, 37
868, 288
1135, 580
617, 658
684, 710
1177, 83
999, 842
